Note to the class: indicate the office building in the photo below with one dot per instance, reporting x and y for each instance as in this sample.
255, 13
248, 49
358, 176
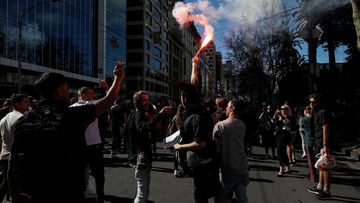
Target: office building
148, 48
60, 36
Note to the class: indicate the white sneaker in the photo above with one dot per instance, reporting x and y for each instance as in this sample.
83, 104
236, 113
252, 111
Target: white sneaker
88, 193
304, 155
106, 201
114, 156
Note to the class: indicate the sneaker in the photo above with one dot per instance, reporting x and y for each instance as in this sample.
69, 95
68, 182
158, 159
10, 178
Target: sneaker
303, 156
88, 193
114, 156
176, 172
323, 195
313, 190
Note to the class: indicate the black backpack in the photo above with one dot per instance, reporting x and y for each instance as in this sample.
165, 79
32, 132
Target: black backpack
31, 140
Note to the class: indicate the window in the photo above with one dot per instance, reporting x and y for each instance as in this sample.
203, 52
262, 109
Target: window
165, 23
148, 32
157, 15
165, 34
165, 57
155, 51
148, 19
148, 5
155, 63
165, 45
156, 27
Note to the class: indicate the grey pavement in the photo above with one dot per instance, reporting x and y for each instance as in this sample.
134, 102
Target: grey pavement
264, 187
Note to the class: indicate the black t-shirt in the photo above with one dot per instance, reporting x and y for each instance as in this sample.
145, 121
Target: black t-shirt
52, 139
197, 127
321, 118
117, 117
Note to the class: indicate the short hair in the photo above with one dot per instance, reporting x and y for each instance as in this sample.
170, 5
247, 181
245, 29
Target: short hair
48, 82
83, 90
17, 98
238, 106
137, 98
316, 96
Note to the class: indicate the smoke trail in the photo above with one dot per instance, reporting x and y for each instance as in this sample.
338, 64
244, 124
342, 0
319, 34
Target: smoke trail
183, 14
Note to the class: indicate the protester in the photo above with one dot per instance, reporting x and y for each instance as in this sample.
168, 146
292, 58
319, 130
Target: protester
179, 155
301, 116
139, 142
284, 124
117, 119
20, 104
266, 130
306, 123
229, 137
321, 134
198, 144
57, 130
94, 148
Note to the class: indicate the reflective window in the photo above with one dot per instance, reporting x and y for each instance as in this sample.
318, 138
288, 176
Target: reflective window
55, 34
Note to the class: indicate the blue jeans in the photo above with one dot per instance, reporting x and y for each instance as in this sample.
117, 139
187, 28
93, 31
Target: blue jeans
230, 184
142, 177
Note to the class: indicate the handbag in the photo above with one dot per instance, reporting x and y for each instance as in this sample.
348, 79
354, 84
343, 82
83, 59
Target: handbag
326, 162
192, 158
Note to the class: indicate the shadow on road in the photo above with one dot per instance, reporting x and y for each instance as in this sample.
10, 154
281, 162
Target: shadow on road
345, 181
344, 199
118, 162
260, 180
163, 170
262, 168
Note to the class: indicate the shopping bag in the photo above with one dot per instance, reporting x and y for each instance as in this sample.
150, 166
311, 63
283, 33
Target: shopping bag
326, 162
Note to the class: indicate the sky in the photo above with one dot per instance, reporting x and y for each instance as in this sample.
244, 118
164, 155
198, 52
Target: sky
224, 15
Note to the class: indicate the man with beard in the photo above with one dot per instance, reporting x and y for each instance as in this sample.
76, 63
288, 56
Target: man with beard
139, 142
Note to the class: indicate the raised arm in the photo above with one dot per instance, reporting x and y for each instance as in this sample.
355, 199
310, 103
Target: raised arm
104, 103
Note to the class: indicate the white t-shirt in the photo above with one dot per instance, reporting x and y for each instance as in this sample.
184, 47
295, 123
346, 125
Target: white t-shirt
7, 129
92, 133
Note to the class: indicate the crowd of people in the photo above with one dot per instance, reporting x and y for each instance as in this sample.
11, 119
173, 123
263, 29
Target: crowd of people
215, 141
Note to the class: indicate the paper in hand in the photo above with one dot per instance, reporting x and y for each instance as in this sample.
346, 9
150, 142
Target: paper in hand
171, 140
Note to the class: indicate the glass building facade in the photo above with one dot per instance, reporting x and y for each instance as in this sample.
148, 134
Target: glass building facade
115, 34
52, 34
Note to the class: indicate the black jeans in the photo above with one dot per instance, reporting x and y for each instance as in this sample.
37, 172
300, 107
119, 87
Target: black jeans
4, 187
95, 159
206, 182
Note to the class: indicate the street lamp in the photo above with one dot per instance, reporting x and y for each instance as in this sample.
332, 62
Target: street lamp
19, 37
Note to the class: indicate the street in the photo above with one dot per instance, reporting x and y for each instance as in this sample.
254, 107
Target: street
264, 185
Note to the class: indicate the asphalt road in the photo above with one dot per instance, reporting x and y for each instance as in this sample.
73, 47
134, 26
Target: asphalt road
264, 187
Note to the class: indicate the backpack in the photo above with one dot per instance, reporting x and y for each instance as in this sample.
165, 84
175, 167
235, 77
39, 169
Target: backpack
32, 132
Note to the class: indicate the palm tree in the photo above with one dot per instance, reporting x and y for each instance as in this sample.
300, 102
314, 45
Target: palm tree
307, 19
356, 18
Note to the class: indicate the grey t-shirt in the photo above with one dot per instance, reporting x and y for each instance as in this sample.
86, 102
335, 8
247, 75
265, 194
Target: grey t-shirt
229, 138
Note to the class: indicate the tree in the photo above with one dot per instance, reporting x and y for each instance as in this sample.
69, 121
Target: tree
356, 19
262, 56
